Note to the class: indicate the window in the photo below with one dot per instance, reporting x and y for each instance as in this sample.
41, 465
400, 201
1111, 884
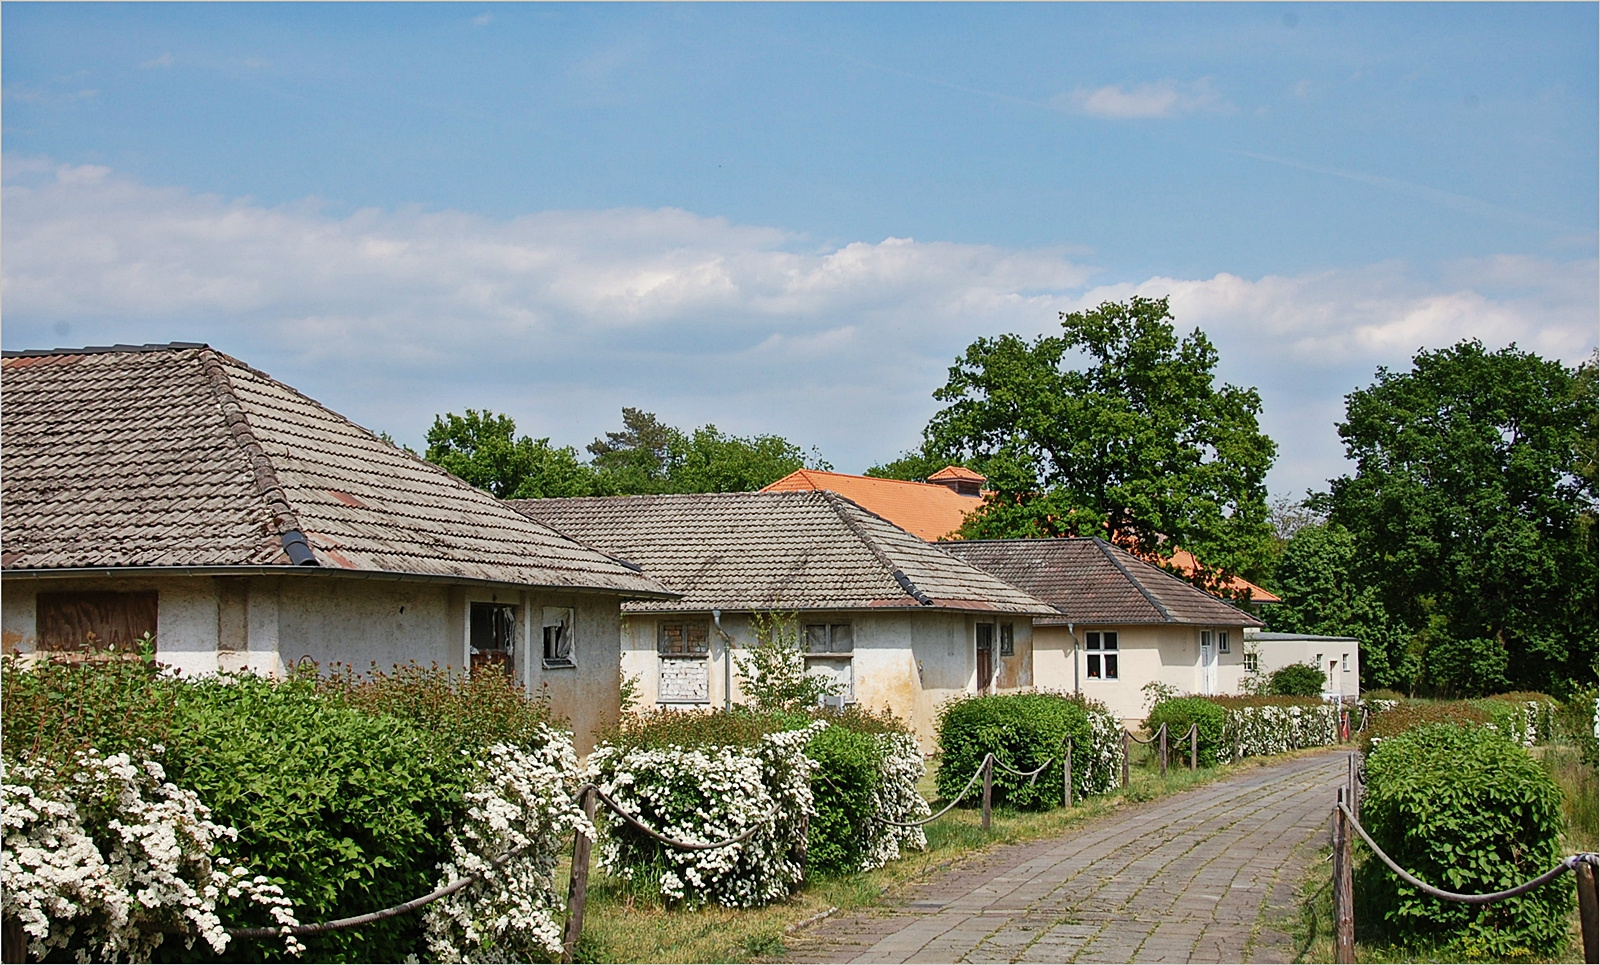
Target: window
493, 635
1252, 662
558, 636
829, 647
81, 622
1102, 659
684, 640
829, 638
1223, 646
1345, 664
1008, 640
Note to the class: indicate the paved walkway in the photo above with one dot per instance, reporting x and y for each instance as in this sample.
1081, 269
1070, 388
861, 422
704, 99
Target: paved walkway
1208, 875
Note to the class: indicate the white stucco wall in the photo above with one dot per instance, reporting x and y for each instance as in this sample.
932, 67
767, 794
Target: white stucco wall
908, 662
1330, 654
1161, 652
264, 624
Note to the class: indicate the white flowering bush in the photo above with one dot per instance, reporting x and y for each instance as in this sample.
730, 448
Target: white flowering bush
1101, 760
702, 794
523, 806
107, 860
1256, 730
1528, 722
895, 796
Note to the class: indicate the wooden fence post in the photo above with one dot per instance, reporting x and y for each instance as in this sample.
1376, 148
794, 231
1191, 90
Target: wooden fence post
1344, 921
1163, 751
1194, 747
1125, 736
578, 885
988, 784
1589, 909
1066, 776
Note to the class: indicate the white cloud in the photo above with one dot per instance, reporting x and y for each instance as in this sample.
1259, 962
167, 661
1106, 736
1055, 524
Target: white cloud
165, 60
561, 317
1165, 98
483, 20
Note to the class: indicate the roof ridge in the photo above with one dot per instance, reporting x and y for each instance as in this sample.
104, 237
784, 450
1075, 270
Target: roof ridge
263, 473
1106, 548
1187, 584
833, 500
103, 349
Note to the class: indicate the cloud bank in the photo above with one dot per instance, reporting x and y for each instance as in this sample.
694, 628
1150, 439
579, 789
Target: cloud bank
560, 318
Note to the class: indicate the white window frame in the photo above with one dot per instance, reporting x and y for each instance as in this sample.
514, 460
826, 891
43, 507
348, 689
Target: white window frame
1102, 655
1344, 666
1224, 645
1252, 662
844, 659
571, 624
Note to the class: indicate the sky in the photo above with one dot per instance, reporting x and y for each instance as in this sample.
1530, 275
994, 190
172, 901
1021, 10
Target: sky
791, 219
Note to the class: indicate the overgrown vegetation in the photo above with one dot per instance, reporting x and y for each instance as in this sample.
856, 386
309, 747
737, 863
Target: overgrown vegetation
1024, 732
1297, 680
1180, 713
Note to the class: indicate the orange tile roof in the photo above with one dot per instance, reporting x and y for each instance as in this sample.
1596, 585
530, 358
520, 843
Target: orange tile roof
959, 472
935, 512
929, 510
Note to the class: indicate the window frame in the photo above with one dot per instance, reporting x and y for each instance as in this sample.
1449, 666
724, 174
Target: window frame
1008, 640
571, 627
1103, 649
686, 626
1224, 644
506, 655
1252, 662
844, 658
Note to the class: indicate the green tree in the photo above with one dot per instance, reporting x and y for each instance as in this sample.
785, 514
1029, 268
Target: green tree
1140, 445
1316, 577
483, 449
649, 456
914, 466
1472, 511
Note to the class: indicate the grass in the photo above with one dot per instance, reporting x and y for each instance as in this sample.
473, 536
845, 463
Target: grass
1314, 928
620, 927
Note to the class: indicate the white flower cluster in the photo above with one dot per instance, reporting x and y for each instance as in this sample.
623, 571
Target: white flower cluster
1380, 705
710, 794
1100, 764
896, 797
1273, 729
523, 805
107, 862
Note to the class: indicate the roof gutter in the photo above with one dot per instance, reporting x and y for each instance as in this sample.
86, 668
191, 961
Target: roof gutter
278, 569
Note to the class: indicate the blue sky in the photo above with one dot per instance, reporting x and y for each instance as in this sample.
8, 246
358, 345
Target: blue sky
791, 218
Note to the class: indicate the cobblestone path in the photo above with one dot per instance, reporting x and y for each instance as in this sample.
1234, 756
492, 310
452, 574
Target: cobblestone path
1207, 875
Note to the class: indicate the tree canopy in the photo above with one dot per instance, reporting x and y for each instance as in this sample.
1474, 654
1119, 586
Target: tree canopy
646, 456
1114, 428
1471, 517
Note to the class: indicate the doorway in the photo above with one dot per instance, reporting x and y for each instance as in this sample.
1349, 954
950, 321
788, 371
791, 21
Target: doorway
985, 656
1208, 662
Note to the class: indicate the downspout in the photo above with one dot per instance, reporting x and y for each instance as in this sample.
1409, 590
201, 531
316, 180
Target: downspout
727, 660
1077, 686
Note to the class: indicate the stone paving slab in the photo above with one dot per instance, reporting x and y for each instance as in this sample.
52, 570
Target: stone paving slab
1207, 875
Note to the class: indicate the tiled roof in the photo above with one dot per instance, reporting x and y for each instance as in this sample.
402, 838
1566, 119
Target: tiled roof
1089, 581
959, 472
182, 456
1184, 562
776, 551
928, 510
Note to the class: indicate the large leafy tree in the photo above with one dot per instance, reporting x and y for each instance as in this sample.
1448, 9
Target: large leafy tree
1472, 512
1116, 427
646, 456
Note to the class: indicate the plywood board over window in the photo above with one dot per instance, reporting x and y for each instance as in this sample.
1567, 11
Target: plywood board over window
80, 622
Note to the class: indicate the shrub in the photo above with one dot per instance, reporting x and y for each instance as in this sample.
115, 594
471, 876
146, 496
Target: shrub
1412, 714
774, 676
1527, 718
1297, 680
1023, 731
1384, 694
706, 777
1180, 712
867, 768
1467, 810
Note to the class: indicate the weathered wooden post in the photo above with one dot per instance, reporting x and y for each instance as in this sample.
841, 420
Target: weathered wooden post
988, 785
578, 885
1589, 909
1163, 752
1125, 736
1066, 776
1194, 746
1344, 920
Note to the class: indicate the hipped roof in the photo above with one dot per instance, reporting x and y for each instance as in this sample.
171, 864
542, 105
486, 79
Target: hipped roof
928, 510
1089, 581
777, 551
180, 456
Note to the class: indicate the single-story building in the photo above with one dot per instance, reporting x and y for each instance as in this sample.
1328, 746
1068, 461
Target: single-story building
175, 491
1120, 623
1339, 658
896, 621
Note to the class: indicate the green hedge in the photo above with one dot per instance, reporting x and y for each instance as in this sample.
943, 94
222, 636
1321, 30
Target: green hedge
848, 766
343, 790
1577, 723
1179, 713
1464, 809
1297, 680
1412, 714
1024, 731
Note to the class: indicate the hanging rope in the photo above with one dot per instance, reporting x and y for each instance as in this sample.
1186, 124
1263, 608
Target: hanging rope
674, 842
954, 801
1567, 864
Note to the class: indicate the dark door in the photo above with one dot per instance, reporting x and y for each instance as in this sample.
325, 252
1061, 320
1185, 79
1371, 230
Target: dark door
985, 656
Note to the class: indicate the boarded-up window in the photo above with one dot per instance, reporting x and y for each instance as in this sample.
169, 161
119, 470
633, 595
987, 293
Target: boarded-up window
684, 639
79, 622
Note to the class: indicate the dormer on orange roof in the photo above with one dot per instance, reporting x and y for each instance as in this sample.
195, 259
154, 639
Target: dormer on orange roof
960, 480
